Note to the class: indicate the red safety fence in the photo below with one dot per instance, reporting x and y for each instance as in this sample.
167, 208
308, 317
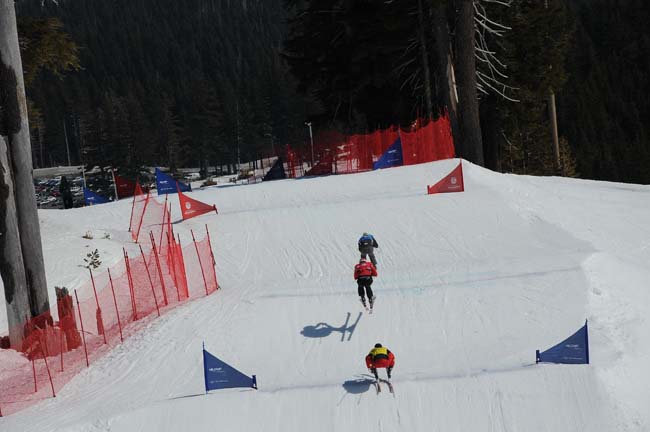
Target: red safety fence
148, 215
101, 314
336, 153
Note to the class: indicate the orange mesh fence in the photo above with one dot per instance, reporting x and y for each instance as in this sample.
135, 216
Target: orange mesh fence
138, 207
100, 314
336, 153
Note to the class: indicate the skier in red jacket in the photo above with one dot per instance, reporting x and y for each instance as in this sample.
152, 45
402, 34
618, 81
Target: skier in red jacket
363, 273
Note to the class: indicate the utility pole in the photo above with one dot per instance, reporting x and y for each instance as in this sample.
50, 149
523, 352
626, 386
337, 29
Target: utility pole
552, 113
238, 137
67, 147
553, 116
311, 138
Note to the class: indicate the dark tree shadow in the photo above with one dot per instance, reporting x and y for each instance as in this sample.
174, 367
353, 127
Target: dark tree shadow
358, 385
322, 329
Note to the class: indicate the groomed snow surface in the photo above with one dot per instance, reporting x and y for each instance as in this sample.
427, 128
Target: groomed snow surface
469, 285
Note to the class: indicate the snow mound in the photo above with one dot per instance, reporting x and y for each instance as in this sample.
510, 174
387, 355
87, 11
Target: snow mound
469, 286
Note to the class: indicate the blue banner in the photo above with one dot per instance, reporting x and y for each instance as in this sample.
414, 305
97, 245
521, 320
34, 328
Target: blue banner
276, 172
392, 157
219, 375
573, 350
166, 184
92, 198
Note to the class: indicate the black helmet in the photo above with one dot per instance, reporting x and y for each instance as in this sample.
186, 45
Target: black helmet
377, 345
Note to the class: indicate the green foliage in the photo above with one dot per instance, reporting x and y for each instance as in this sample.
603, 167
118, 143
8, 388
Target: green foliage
92, 260
605, 109
360, 59
45, 46
535, 51
161, 80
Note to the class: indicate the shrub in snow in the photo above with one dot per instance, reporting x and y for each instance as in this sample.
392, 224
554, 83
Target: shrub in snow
92, 260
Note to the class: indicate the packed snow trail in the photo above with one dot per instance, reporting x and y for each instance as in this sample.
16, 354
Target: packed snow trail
469, 285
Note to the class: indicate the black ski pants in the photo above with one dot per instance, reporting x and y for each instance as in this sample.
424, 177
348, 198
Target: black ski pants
369, 253
364, 283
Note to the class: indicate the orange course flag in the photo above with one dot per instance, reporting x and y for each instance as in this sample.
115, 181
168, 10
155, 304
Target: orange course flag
453, 182
191, 207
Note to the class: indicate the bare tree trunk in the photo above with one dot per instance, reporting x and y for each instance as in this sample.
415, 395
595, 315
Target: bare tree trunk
444, 74
468, 113
425, 61
19, 157
12, 269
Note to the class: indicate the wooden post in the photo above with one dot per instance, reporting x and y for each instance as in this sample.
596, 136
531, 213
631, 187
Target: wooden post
83, 333
153, 290
200, 264
214, 262
34, 373
98, 315
62, 348
133, 205
182, 261
160, 274
117, 312
144, 211
131, 290
49, 375
172, 265
556, 142
162, 228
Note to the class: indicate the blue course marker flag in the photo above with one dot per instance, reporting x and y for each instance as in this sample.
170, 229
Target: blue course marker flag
166, 184
573, 350
219, 375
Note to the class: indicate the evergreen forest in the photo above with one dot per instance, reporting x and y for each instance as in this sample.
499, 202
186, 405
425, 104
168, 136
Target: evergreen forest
213, 82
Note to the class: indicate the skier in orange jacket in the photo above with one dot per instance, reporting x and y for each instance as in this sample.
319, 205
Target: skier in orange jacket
380, 357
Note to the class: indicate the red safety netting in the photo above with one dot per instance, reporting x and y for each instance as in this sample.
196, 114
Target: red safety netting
101, 313
336, 153
138, 207
148, 215
295, 164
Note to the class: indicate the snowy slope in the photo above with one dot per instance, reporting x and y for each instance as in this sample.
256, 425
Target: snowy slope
470, 285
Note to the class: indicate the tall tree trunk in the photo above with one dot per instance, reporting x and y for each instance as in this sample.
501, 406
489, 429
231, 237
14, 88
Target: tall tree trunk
425, 61
444, 73
19, 157
489, 127
12, 268
468, 112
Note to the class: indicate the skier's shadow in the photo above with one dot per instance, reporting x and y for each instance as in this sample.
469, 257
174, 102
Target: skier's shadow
359, 385
322, 329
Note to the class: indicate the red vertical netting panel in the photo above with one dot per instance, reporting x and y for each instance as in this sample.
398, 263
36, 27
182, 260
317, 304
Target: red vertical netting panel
140, 203
66, 346
153, 220
200, 266
427, 143
365, 152
409, 147
179, 264
443, 136
388, 137
142, 293
138, 198
291, 163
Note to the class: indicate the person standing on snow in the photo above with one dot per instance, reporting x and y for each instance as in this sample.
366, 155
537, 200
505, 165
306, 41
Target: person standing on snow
380, 357
363, 273
367, 245
66, 193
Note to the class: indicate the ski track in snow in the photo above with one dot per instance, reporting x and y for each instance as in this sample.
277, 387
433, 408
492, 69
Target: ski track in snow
469, 286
